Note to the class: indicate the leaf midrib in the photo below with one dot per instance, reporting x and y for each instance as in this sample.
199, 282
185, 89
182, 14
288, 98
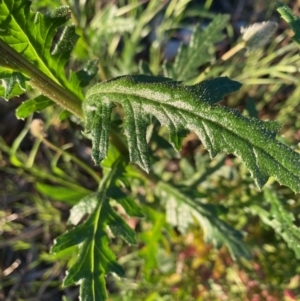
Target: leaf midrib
156, 102
105, 185
193, 54
30, 42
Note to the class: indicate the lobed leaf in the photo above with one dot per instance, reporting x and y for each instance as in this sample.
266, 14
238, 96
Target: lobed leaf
294, 21
95, 258
198, 52
279, 219
180, 107
32, 35
181, 210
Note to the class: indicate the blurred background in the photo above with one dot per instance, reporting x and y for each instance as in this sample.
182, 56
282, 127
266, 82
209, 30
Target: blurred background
38, 186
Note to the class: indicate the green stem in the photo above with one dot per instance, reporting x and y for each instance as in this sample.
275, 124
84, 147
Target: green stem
74, 158
233, 51
63, 97
41, 174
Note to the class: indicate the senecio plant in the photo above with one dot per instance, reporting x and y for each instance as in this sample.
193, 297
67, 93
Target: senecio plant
30, 57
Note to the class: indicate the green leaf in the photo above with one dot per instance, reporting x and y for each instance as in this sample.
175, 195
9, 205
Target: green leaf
197, 53
128, 203
33, 105
153, 239
87, 73
86, 206
95, 258
180, 107
32, 35
181, 210
279, 219
294, 21
61, 193
64, 115
13, 83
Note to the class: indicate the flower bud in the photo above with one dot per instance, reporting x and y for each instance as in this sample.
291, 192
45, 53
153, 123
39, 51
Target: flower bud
258, 35
37, 128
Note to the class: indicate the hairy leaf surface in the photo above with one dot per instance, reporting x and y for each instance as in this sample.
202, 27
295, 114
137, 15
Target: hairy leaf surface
95, 258
180, 107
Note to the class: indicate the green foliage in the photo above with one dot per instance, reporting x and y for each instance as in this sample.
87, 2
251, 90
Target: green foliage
32, 35
95, 258
35, 52
181, 210
36, 104
199, 51
13, 83
280, 219
61, 193
179, 107
294, 21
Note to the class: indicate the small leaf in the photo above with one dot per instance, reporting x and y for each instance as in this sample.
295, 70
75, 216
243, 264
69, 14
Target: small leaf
66, 42
95, 258
279, 219
30, 106
87, 73
31, 34
85, 206
128, 203
197, 53
283, 221
180, 107
181, 210
64, 115
294, 21
213, 91
99, 128
61, 193
13, 83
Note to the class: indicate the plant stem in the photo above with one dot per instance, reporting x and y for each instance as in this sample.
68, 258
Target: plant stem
63, 97
226, 56
233, 51
73, 158
41, 174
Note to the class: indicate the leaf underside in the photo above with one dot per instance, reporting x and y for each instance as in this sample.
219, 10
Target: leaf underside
180, 107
